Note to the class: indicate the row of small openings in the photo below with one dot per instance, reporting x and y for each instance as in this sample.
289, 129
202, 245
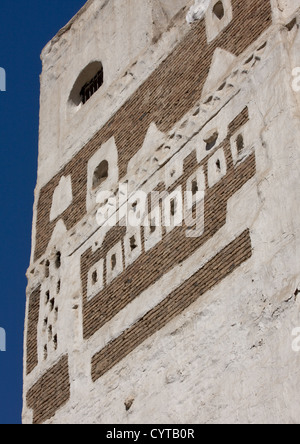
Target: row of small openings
48, 327
57, 264
211, 142
113, 259
55, 344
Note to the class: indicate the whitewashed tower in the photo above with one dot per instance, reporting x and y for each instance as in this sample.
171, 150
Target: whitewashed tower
152, 323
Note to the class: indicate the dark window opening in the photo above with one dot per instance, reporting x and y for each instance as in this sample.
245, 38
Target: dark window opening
195, 188
173, 206
52, 303
218, 10
211, 141
58, 260
89, 88
218, 165
95, 277
152, 227
240, 143
291, 25
113, 261
47, 269
100, 174
133, 244
55, 342
50, 333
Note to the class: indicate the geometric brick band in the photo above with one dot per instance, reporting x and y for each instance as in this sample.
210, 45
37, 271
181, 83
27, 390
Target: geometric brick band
174, 248
223, 264
32, 330
164, 98
50, 393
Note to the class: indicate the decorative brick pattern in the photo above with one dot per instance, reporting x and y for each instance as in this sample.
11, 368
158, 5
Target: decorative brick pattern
175, 246
164, 98
33, 319
50, 393
223, 264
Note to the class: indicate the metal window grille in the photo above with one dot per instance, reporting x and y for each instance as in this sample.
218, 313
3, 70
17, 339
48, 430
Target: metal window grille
91, 87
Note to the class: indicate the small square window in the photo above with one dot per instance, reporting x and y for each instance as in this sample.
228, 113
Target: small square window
216, 167
114, 262
95, 279
132, 246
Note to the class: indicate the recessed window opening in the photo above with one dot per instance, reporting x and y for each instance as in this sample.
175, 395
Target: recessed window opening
195, 187
240, 143
89, 88
52, 303
100, 174
58, 260
173, 206
133, 244
47, 269
152, 226
113, 261
55, 342
88, 82
50, 332
211, 141
94, 277
134, 206
218, 10
218, 165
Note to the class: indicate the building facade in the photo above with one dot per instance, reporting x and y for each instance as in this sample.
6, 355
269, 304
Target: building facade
164, 279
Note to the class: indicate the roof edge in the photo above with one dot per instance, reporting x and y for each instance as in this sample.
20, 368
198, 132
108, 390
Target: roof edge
68, 26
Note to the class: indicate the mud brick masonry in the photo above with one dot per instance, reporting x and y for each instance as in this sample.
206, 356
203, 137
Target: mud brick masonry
190, 329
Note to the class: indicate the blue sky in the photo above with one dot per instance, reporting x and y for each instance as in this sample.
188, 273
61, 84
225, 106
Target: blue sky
25, 28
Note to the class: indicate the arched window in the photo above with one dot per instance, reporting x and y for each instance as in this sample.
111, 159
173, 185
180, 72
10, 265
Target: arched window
100, 174
218, 10
87, 83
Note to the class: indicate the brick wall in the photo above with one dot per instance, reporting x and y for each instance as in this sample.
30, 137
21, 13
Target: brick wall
175, 246
223, 264
50, 392
32, 329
